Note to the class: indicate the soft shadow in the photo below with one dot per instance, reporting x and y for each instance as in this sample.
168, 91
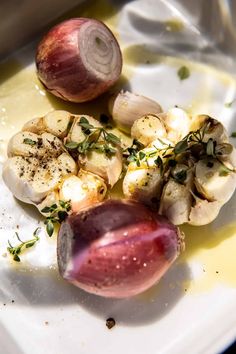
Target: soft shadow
45, 288
30, 210
94, 107
211, 235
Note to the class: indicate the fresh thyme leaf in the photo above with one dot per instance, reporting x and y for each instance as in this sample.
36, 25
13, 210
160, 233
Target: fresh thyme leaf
58, 213
183, 72
46, 210
16, 258
16, 250
233, 135
181, 146
49, 227
84, 123
141, 155
71, 145
30, 244
112, 138
29, 141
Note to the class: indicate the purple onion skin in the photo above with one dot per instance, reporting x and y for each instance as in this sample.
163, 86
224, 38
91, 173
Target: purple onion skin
61, 69
117, 248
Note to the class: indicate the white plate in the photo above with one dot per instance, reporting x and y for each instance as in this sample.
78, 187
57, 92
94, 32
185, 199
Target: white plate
192, 309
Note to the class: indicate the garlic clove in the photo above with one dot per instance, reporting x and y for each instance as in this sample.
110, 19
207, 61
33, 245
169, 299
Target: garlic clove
211, 183
83, 190
204, 212
76, 133
143, 184
127, 107
108, 168
176, 202
177, 123
148, 128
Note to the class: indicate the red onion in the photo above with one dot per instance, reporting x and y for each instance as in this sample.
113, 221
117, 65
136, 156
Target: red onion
116, 248
79, 59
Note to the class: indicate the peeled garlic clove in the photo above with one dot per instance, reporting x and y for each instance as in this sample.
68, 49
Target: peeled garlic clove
25, 144
109, 168
126, 107
143, 185
214, 129
57, 122
76, 133
148, 128
177, 123
17, 172
83, 190
66, 164
204, 212
211, 183
176, 202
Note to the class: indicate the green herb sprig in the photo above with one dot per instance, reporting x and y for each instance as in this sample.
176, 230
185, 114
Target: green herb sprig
192, 145
16, 250
96, 139
58, 213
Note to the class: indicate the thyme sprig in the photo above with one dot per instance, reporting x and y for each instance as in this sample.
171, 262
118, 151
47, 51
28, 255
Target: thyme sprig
191, 147
58, 213
16, 250
96, 138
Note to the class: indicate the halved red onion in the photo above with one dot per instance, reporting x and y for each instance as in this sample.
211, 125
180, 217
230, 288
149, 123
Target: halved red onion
116, 248
79, 59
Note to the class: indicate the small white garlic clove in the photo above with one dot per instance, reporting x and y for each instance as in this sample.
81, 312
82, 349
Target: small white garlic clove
177, 123
108, 168
83, 190
211, 183
143, 184
148, 128
127, 107
204, 212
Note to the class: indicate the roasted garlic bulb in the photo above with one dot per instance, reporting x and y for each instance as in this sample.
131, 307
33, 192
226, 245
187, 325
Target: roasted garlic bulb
187, 175
55, 158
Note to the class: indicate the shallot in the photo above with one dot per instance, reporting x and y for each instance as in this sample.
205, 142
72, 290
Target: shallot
116, 248
79, 59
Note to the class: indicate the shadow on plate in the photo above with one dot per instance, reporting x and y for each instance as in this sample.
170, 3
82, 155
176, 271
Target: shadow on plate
45, 288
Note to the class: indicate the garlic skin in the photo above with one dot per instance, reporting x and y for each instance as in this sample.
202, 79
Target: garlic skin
148, 128
127, 107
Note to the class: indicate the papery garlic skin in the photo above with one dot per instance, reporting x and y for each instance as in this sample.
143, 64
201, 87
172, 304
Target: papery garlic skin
126, 107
